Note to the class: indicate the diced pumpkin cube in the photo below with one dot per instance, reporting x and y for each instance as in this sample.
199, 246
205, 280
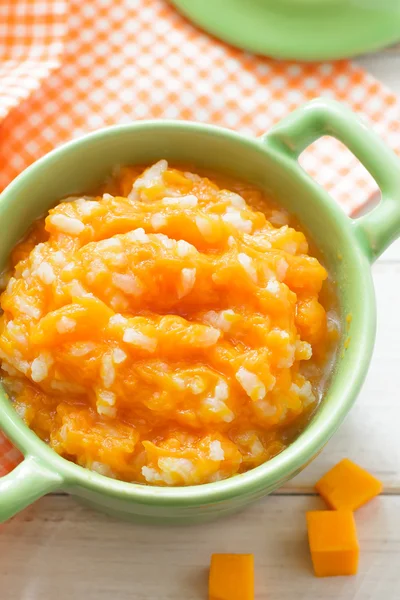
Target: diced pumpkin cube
231, 577
333, 542
348, 486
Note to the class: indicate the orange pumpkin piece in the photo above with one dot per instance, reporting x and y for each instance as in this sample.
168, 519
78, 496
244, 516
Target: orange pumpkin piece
348, 486
333, 542
231, 577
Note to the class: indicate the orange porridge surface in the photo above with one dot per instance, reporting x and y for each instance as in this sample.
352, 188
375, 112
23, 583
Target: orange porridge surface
159, 332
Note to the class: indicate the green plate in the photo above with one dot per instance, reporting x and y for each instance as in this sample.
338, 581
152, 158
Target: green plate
299, 29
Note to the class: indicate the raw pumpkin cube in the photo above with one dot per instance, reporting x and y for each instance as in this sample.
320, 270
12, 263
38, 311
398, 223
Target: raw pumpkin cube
333, 542
231, 577
348, 486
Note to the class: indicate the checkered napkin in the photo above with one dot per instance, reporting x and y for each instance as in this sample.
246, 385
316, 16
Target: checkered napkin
68, 67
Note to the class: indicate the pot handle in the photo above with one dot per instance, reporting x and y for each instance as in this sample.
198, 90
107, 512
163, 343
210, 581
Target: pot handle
26, 483
379, 228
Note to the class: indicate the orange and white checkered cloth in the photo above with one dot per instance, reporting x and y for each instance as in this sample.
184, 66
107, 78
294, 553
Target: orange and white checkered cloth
68, 67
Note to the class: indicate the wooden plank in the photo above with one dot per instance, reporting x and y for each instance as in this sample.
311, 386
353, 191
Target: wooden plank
385, 66
57, 549
370, 433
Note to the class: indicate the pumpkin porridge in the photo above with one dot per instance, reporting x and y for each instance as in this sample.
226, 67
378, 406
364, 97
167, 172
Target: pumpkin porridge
167, 331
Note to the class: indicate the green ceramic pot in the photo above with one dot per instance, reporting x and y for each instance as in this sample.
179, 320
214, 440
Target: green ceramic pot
348, 247
308, 30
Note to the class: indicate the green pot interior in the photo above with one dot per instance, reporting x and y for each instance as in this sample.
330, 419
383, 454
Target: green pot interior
82, 165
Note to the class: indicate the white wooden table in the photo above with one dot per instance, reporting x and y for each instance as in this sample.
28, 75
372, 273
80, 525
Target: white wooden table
57, 549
